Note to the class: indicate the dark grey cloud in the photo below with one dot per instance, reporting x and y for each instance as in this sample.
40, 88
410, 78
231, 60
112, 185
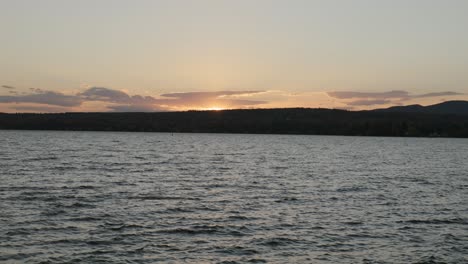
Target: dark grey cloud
8, 87
37, 90
114, 96
436, 94
104, 94
44, 97
381, 98
383, 95
368, 102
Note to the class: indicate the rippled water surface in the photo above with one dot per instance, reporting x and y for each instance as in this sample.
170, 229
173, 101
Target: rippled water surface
90, 197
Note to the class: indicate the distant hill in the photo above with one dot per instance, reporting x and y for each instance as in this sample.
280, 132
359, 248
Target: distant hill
398, 122
449, 107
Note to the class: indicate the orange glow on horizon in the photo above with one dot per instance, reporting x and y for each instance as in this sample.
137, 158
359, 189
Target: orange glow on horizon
214, 108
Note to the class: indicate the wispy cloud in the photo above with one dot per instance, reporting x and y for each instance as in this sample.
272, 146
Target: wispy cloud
8, 87
217, 94
207, 99
384, 95
352, 98
368, 102
41, 109
436, 94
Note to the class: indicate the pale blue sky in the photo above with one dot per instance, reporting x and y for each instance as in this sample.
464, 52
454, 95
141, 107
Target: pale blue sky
155, 47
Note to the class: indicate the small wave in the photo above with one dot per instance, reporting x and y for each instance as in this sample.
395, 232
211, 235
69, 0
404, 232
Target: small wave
19, 232
459, 221
238, 217
189, 231
366, 235
123, 183
62, 241
430, 260
59, 205
81, 205
120, 226
286, 199
87, 187
450, 237
98, 242
238, 250
216, 185
87, 218
53, 212
64, 168
138, 170
19, 256
207, 230
257, 261
178, 210
277, 241
351, 189
41, 158
353, 223
34, 193
280, 167
39, 228
157, 197
206, 208
90, 218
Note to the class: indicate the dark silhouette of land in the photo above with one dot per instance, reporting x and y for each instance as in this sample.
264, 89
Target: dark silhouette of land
450, 107
448, 119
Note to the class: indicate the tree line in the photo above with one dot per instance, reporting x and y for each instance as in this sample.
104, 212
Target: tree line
255, 121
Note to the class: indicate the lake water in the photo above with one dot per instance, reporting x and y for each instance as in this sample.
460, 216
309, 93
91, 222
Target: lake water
91, 197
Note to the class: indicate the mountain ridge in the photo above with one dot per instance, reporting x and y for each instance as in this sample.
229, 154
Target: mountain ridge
457, 107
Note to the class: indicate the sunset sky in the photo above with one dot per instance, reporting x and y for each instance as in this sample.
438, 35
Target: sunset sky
150, 55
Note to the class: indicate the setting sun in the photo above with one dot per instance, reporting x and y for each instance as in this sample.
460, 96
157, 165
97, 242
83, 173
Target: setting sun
215, 108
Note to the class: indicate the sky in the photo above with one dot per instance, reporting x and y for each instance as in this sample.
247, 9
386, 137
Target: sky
171, 55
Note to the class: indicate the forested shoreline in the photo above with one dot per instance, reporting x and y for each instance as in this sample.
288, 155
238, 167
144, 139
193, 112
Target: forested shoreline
255, 121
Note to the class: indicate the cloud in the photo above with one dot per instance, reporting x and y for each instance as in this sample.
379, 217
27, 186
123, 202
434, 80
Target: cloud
107, 99
383, 95
217, 94
44, 97
368, 102
437, 94
40, 109
104, 94
116, 100
188, 100
228, 99
352, 98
